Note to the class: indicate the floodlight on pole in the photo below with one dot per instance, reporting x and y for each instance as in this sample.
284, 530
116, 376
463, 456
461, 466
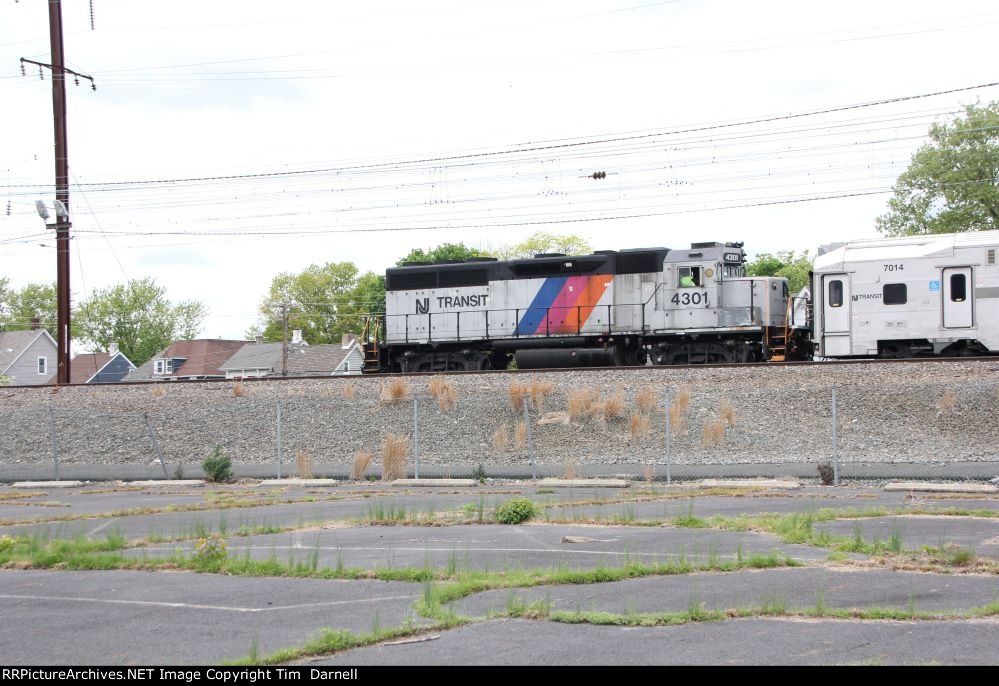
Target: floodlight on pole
60, 209
42, 210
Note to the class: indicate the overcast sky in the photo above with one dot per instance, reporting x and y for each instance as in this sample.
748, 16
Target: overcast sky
230, 140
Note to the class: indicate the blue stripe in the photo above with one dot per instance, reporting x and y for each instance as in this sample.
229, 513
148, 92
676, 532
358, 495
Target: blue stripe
536, 313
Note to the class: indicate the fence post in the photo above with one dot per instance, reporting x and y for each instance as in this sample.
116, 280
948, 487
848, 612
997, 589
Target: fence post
835, 439
55, 444
416, 439
156, 446
277, 438
530, 444
669, 446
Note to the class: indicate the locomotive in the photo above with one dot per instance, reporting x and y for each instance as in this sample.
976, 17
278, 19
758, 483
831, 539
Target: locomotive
627, 307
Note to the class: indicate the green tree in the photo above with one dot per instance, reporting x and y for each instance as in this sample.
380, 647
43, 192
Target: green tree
444, 251
544, 242
17, 307
785, 264
137, 317
324, 301
952, 183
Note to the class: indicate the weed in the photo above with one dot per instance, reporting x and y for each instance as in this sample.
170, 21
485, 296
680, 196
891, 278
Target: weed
649, 473
638, 425
646, 399
539, 392
613, 407
895, 539
445, 392
682, 402
520, 435
210, 551
518, 392
394, 450
545, 491
826, 474
238, 390
395, 392
217, 466
515, 511
714, 434
947, 401
581, 403
304, 461
178, 471
349, 391
159, 392
571, 469
362, 461
479, 474
727, 412
501, 438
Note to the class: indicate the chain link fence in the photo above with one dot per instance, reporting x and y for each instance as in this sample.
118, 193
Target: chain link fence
576, 424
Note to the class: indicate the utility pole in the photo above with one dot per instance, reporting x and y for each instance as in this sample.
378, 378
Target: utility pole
62, 224
284, 339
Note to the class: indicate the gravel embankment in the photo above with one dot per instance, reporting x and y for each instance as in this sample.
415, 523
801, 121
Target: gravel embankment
888, 412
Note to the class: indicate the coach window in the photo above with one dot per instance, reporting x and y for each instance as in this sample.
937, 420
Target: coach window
689, 277
958, 288
894, 294
835, 294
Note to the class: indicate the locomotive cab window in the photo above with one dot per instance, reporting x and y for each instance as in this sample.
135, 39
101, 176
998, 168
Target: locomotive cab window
958, 288
836, 293
894, 294
689, 277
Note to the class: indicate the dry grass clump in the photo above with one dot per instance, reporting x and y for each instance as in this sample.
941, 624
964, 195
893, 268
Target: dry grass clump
613, 407
394, 450
304, 460
362, 461
395, 392
714, 434
571, 469
518, 392
158, 392
349, 391
649, 473
581, 403
638, 426
678, 410
727, 411
539, 391
947, 401
646, 399
520, 434
501, 438
238, 389
683, 399
445, 392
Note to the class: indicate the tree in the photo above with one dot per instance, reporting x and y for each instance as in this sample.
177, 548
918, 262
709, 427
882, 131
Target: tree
785, 264
952, 183
543, 242
18, 307
324, 301
138, 318
445, 251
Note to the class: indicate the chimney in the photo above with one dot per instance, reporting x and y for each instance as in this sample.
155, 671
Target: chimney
260, 339
113, 349
36, 323
347, 341
296, 337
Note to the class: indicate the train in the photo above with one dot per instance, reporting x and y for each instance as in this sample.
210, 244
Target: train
899, 297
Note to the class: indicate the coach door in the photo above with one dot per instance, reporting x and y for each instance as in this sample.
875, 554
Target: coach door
836, 315
957, 300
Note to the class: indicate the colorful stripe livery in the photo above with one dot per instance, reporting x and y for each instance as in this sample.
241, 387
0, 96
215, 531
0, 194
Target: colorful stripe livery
563, 304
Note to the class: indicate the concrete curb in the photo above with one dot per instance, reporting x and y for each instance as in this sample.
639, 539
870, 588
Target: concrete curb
585, 483
46, 484
431, 483
166, 482
939, 488
749, 483
298, 482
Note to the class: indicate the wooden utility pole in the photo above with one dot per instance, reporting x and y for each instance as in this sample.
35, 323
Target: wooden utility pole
284, 339
62, 224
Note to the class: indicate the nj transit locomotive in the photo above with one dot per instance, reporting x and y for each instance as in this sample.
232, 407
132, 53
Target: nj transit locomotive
609, 308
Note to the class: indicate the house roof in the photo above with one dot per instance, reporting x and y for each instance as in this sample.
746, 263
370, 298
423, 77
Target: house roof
14, 343
254, 356
318, 359
202, 357
86, 365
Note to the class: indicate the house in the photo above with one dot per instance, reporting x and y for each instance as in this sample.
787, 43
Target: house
267, 359
29, 357
187, 361
98, 368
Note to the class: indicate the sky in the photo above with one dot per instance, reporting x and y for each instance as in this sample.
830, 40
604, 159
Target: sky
233, 140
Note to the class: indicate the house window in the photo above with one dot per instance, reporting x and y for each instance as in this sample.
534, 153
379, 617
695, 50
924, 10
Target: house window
43, 365
163, 367
894, 294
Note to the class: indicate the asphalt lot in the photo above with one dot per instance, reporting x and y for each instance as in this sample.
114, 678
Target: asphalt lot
58, 616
